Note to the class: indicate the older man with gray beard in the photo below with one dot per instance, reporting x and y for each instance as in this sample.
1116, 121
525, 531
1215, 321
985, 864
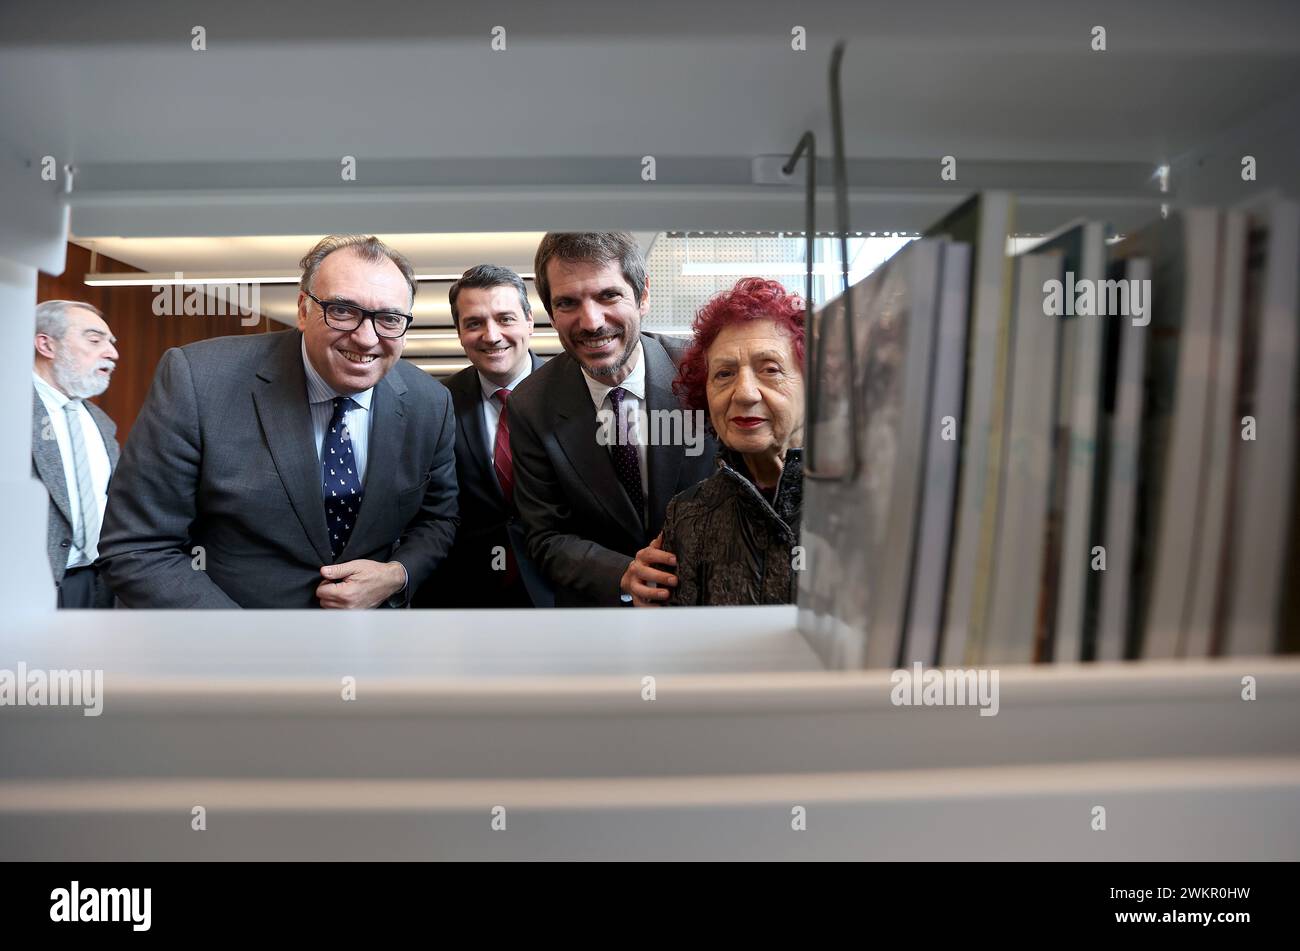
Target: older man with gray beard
74, 446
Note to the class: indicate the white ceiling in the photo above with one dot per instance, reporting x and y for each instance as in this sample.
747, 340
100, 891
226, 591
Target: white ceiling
246, 137
108, 83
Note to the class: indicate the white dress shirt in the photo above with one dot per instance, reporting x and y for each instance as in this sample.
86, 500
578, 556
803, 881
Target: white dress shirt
357, 418
97, 454
633, 405
492, 409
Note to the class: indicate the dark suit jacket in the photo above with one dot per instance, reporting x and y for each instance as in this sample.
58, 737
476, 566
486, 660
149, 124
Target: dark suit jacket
223, 456
47, 465
583, 530
467, 579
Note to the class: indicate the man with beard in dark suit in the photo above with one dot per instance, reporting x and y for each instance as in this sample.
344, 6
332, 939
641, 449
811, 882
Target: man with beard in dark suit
591, 483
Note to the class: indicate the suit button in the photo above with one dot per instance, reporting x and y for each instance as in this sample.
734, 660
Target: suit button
64, 544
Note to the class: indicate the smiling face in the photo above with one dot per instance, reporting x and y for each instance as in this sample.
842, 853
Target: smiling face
80, 364
494, 331
596, 316
351, 361
755, 389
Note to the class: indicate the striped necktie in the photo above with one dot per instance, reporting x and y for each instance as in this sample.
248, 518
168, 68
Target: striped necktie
503, 465
502, 462
86, 536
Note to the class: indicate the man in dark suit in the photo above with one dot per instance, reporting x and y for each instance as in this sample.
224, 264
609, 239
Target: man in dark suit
293, 469
600, 442
489, 565
74, 443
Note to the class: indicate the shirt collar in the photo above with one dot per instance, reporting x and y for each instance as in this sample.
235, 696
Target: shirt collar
634, 384
49, 392
489, 388
318, 391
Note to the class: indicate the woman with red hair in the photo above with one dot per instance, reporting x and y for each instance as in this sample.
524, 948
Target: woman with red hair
734, 533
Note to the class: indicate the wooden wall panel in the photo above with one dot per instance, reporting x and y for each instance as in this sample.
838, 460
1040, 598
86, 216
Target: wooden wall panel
142, 337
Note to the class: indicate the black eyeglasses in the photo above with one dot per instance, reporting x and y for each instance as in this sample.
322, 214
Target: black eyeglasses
340, 316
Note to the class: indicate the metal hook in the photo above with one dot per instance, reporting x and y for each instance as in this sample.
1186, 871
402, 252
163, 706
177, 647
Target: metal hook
813, 364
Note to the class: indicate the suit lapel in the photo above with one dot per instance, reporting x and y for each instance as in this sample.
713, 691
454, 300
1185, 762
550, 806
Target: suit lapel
575, 430
47, 458
467, 397
280, 396
387, 434
664, 463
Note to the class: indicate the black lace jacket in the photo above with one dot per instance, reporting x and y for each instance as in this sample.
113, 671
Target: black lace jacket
732, 546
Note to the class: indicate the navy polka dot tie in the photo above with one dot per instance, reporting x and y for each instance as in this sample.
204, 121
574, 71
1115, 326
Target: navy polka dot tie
627, 464
340, 480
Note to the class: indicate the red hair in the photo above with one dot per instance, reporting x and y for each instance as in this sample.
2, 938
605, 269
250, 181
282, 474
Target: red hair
753, 298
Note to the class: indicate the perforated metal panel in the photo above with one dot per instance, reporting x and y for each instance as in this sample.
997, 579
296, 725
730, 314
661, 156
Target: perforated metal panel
676, 294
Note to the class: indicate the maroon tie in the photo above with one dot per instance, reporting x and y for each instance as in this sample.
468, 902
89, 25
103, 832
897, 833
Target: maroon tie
504, 467
502, 463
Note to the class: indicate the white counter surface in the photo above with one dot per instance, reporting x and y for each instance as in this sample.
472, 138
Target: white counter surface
546, 713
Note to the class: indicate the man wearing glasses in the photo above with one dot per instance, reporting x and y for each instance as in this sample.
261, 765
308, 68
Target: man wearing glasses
298, 469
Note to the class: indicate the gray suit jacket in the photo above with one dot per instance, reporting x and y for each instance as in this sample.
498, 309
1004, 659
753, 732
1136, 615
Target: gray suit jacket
47, 465
583, 530
223, 457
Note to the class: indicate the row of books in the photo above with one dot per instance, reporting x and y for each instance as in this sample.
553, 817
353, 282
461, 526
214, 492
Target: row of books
1082, 452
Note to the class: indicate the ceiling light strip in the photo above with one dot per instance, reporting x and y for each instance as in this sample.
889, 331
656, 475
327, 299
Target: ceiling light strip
137, 279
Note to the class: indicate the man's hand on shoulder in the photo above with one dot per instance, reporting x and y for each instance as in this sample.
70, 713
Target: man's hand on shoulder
360, 584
